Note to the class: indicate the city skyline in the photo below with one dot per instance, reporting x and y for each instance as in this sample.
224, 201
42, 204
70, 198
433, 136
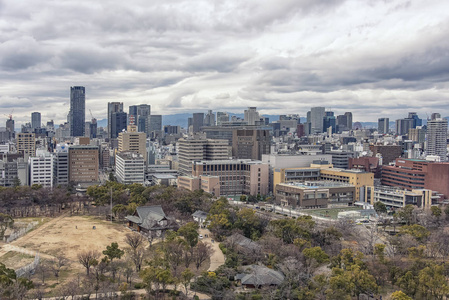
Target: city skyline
375, 60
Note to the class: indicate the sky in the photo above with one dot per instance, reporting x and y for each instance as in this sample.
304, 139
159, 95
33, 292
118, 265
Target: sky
374, 58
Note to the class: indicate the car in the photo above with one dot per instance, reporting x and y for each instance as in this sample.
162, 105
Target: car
200, 236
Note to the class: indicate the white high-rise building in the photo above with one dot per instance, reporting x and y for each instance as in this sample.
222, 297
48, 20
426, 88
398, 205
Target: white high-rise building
251, 116
130, 168
437, 138
41, 169
316, 119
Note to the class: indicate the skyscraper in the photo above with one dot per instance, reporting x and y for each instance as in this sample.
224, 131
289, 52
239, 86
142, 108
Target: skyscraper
383, 125
35, 120
349, 120
77, 112
113, 107
155, 127
437, 138
222, 117
251, 116
118, 123
209, 120
10, 127
316, 119
197, 122
141, 115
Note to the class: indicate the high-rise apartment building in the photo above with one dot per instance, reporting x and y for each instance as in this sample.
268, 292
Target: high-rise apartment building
35, 120
251, 143
83, 164
26, 143
191, 150
132, 141
113, 107
437, 138
77, 113
383, 125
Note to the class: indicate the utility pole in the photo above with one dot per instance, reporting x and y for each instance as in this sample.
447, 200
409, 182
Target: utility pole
111, 204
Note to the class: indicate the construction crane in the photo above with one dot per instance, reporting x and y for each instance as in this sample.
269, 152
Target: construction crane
93, 118
10, 114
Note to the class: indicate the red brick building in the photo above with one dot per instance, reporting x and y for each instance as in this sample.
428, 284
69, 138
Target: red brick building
418, 174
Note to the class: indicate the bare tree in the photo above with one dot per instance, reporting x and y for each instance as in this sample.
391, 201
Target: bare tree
137, 257
134, 240
202, 253
88, 258
58, 265
42, 269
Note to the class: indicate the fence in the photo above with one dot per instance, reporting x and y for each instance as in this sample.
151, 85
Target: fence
30, 267
22, 231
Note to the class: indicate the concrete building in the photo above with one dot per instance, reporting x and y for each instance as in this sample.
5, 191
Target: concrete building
209, 119
191, 150
132, 141
437, 138
403, 126
141, 114
155, 127
197, 122
388, 152
42, 169
130, 168
118, 123
83, 165
316, 119
77, 113
383, 125
114, 107
395, 198
340, 158
26, 143
222, 117
36, 120
251, 116
315, 194
417, 174
228, 177
250, 143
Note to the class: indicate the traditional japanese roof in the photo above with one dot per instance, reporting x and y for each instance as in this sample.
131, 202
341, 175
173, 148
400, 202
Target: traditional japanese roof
148, 217
245, 242
200, 214
257, 275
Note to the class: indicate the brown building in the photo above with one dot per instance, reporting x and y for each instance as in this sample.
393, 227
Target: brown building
417, 174
133, 141
83, 164
26, 143
389, 152
367, 164
250, 143
315, 194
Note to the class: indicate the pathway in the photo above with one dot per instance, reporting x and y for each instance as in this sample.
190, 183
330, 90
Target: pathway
217, 258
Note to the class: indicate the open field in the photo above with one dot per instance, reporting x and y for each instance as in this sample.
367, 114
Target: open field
67, 236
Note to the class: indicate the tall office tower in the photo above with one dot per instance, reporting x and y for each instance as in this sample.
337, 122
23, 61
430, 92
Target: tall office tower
251, 116
118, 123
437, 138
383, 125
191, 150
222, 117
93, 128
403, 125
251, 143
197, 122
209, 119
141, 115
316, 119
10, 127
77, 113
155, 127
132, 141
35, 120
26, 143
113, 107
329, 121
349, 120
83, 164
416, 120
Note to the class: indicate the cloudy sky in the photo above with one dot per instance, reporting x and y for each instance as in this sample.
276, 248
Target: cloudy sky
374, 58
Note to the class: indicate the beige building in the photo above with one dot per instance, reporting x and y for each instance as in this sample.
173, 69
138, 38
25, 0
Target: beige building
133, 141
356, 178
228, 177
193, 150
26, 143
315, 194
83, 164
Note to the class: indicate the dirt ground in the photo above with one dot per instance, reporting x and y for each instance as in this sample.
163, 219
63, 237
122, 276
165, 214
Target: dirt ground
67, 236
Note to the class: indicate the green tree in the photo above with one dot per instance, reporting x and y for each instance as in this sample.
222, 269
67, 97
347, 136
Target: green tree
113, 251
432, 280
409, 283
313, 258
189, 232
406, 213
186, 276
290, 229
380, 207
420, 233
249, 223
399, 295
